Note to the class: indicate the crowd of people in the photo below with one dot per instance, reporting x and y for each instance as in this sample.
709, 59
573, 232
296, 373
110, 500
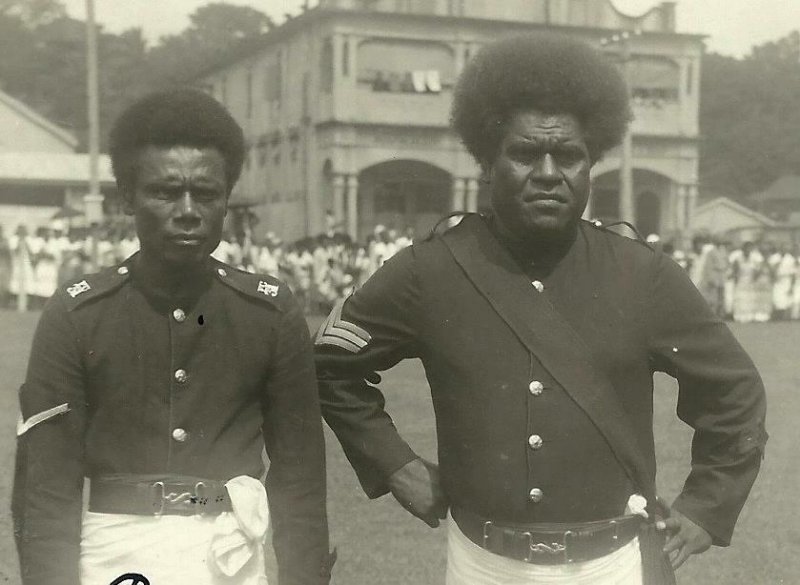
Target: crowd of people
320, 270
751, 282
746, 283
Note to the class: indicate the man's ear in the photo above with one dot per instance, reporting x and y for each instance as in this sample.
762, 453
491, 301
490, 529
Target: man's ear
127, 195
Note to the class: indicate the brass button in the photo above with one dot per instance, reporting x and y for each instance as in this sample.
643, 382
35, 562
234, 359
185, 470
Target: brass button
538, 285
222, 272
122, 270
181, 376
180, 435
179, 315
536, 442
535, 495
536, 387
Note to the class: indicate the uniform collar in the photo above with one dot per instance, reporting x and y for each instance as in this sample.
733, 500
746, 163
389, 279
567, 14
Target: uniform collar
543, 255
166, 293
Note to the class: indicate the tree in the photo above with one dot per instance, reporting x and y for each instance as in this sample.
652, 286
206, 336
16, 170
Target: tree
749, 119
215, 29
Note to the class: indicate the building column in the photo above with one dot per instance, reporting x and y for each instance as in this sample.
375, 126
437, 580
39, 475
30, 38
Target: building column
458, 193
680, 208
691, 204
352, 206
338, 200
472, 195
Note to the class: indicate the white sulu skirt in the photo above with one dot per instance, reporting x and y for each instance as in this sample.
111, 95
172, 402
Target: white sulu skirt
227, 549
469, 564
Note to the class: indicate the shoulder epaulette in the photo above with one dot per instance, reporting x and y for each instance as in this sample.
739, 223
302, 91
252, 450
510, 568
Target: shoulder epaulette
606, 227
92, 286
258, 286
450, 220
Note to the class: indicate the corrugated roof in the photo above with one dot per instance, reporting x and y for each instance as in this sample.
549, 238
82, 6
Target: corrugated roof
38, 119
52, 168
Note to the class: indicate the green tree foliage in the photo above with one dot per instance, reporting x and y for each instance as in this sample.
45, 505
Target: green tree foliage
750, 119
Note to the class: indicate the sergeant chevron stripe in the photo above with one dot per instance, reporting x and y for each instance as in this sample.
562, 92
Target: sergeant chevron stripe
336, 331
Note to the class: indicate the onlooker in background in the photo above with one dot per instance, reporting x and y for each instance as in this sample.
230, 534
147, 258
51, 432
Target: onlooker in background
749, 271
784, 269
22, 276
5, 270
708, 272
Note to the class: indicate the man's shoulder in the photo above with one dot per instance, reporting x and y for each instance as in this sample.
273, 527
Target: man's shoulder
603, 239
261, 288
82, 290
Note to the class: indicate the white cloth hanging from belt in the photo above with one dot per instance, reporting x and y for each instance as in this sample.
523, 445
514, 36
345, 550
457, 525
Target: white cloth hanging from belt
469, 564
227, 549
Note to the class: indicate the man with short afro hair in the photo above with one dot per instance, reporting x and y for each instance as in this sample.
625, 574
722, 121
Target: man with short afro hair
540, 334
162, 380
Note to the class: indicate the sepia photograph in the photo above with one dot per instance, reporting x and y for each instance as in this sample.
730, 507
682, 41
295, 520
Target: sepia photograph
399, 292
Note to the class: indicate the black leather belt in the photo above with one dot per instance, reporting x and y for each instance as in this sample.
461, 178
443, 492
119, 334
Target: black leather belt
146, 497
548, 544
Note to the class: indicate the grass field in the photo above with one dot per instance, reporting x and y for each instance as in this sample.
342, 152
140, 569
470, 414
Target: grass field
380, 544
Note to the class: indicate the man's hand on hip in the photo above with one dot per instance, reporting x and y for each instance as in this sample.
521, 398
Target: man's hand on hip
416, 486
686, 538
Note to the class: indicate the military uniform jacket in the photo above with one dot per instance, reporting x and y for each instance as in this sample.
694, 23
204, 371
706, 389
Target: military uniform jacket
123, 379
520, 404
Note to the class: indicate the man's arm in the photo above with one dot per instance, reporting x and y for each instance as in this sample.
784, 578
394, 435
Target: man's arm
372, 331
48, 479
296, 447
720, 395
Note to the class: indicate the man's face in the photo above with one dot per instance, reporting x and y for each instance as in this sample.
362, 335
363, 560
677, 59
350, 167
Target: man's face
540, 176
179, 203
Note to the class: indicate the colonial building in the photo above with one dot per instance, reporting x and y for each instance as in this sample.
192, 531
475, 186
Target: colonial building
41, 175
346, 110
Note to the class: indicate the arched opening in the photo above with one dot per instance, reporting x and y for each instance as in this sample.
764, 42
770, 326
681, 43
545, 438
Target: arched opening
402, 194
651, 192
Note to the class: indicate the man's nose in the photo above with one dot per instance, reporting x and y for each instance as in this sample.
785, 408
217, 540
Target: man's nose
547, 170
187, 208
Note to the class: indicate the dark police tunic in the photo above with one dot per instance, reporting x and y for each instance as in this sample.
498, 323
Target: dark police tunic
542, 377
154, 385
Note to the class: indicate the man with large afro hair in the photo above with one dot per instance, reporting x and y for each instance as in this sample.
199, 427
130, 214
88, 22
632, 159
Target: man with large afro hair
540, 334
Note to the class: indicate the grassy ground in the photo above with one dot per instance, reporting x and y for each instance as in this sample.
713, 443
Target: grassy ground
380, 544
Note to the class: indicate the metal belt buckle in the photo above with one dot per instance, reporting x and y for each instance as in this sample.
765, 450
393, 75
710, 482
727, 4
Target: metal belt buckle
200, 498
486, 526
173, 499
554, 548
160, 493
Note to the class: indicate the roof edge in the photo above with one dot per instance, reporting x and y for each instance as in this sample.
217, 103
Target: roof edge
39, 120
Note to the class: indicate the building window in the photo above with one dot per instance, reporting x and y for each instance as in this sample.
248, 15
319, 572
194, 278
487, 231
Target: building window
326, 66
223, 90
346, 58
273, 78
405, 82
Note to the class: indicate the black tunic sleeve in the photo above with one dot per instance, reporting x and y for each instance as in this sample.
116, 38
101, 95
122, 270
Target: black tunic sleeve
296, 447
48, 480
721, 396
371, 331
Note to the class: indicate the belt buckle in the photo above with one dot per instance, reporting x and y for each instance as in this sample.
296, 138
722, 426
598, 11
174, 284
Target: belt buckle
554, 548
174, 500
160, 493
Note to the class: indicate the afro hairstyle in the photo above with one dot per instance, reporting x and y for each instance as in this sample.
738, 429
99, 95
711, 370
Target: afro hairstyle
177, 117
551, 73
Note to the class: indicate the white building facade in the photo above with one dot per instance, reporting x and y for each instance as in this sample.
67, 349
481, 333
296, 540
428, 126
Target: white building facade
346, 109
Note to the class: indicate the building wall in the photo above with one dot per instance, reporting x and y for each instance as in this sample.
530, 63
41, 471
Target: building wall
20, 134
337, 92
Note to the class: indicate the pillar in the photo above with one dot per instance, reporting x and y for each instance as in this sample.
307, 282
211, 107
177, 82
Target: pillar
352, 206
338, 200
458, 198
691, 204
472, 195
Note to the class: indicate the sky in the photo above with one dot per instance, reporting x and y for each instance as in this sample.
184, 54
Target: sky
733, 26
